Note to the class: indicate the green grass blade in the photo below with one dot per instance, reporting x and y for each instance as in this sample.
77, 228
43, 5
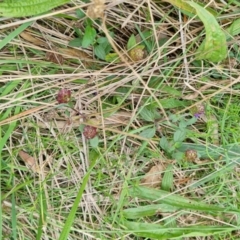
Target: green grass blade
167, 180
9, 87
229, 153
14, 217
16, 188
160, 196
13, 34
146, 211
4, 136
234, 28
157, 231
1, 160
71, 216
42, 212
212, 151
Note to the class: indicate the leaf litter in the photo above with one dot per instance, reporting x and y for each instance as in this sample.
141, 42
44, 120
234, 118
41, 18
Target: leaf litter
30, 161
153, 177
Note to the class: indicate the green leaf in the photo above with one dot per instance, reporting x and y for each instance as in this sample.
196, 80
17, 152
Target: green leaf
179, 135
182, 124
71, 216
148, 133
78, 32
157, 231
102, 40
99, 51
13, 34
80, 13
89, 36
178, 156
188, 10
214, 47
182, 5
171, 90
131, 42
146, 35
112, 58
234, 28
42, 213
76, 42
191, 121
167, 180
160, 196
164, 144
148, 210
94, 142
28, 7
149, 115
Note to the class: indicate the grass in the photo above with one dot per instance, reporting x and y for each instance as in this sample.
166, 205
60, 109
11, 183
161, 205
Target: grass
135, 75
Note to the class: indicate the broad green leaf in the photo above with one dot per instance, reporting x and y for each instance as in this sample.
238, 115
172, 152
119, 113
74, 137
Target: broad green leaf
182, 5
80, 13
188, 10
25, 8
148, 133
99, 51
191, 121
94, 142
89, 36
214, 46
102, 40
234, 29
167, 180
179, 135
157, 231
178, 156
160, 196
164, 144
148, 210
182, 124
171, 90
149, 115
131, 42
112, 58
76, 42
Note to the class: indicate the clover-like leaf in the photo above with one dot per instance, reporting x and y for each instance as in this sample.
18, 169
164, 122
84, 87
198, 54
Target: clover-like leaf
89, 36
